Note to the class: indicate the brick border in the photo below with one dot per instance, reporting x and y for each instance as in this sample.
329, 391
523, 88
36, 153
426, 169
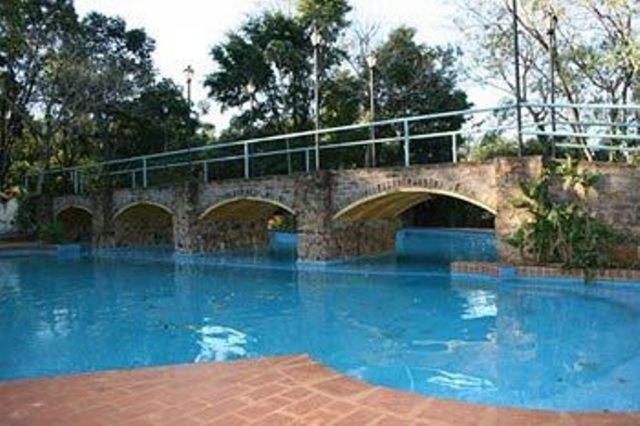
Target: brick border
289, 390
498, 271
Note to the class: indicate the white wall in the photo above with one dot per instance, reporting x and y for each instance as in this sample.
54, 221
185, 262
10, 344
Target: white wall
8, 214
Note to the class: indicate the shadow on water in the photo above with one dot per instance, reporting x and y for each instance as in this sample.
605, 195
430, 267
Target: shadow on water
417, 251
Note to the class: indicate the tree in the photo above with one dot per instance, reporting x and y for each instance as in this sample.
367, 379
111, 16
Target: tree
598, 65
158, 120
273, 53
415, 79
86, 72
31, 34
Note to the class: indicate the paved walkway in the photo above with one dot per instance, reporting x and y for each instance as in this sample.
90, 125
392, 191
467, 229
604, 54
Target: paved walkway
274, 391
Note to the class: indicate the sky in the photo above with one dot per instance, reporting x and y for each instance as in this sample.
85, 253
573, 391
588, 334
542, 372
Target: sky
186, 30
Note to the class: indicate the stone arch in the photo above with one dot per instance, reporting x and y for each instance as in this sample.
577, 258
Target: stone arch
77, 222
240, 222
144, 224
244, 208
142, 204
390, 203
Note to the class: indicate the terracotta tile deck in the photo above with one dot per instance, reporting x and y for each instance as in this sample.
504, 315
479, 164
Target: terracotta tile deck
273, 391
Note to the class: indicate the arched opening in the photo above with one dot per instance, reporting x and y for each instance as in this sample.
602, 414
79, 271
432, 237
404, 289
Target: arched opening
391, 204
425, 224
144, 225
246, 223
76, 223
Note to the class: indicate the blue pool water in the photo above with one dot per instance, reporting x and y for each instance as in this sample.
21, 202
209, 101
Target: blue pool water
399, 320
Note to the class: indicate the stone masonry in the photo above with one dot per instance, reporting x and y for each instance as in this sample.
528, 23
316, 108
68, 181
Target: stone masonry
339, 214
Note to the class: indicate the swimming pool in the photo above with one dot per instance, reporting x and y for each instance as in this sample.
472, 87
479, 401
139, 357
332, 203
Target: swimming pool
399, 321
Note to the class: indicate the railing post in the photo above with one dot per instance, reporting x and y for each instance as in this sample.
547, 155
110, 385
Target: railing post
75, 181
454, 147
246, 161
144, 173
25, 181
205, 172
133, 179
307, 161
407, 141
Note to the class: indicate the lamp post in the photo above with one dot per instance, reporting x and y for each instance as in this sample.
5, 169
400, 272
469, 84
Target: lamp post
251, 91
516, 48
553, 25
372, 61
165, 114
316, 42
189, 73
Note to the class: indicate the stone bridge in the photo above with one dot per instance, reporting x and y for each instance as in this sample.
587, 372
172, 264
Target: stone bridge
338, 214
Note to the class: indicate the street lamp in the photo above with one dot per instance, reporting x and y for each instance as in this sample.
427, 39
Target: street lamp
316, 41
250, 87
372, 61
516, 48
189, 73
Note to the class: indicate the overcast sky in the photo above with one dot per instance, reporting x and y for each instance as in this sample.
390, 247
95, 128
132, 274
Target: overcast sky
185, 30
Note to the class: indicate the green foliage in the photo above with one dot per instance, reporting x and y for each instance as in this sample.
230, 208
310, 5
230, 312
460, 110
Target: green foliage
416, 79
272, 52
30, 221
27, 218
494, 145
87, 93
159, 119
560, 229
52, 232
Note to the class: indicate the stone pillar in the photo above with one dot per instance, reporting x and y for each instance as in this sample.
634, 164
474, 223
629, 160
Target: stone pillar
510, 173
221, 235
322, 239
185, 226
313, 203
103, 232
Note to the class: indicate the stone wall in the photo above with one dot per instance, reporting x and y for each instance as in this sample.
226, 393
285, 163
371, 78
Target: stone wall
144, 226
214, 236
348, 239
510, 172
617, 201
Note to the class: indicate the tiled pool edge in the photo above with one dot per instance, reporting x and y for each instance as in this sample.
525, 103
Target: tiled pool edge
281, 390
503, 272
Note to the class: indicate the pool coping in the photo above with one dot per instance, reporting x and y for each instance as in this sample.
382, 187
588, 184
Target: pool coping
498, 271
281, 390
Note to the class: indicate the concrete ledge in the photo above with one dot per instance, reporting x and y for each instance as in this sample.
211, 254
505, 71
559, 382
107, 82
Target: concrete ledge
498, 271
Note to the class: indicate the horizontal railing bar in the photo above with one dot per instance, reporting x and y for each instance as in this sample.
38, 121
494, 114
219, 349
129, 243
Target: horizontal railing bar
362, 142
584, 135
599, 147
633, 107
597, 124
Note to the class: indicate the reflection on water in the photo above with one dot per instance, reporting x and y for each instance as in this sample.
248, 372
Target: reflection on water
459, 381
218, 343
538, 345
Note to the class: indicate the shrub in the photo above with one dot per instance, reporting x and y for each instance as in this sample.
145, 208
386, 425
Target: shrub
561, 229
52, 232
27, 217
